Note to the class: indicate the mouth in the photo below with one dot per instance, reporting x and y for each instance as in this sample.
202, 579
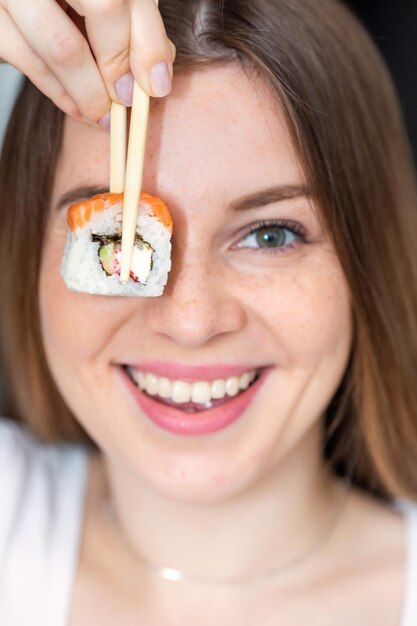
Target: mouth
191, 397
189, 406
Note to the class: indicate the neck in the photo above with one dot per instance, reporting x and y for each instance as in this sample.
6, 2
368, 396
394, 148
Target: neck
261, 528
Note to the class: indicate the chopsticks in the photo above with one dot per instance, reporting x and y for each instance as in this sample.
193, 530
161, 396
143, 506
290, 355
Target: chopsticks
117, 147
126, 174
133, 179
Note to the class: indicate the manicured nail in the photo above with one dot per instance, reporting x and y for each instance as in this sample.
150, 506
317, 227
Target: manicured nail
124, 89
105, 122
160, 80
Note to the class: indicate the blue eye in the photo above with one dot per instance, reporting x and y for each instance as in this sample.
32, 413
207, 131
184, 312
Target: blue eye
271, 236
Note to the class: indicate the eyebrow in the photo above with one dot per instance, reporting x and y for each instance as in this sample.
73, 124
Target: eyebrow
251, 201
80, 193
269, 196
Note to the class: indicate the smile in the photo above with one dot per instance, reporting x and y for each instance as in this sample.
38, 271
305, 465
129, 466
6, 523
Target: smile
193, 406
191, 396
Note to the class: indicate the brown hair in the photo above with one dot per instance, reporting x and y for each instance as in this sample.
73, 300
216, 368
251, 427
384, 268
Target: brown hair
345, 122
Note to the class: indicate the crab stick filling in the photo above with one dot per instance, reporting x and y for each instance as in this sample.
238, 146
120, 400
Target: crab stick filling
110, 254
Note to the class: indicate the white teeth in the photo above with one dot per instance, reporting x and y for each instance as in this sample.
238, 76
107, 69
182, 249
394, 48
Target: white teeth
245, 380
164, 387
151, 384
232, 386
181, 391
142, 380
200, 392
218, 389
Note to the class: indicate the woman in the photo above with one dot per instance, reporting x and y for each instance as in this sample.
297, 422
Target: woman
283, 493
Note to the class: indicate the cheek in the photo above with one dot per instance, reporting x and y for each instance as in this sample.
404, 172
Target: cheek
305, 309
301, 323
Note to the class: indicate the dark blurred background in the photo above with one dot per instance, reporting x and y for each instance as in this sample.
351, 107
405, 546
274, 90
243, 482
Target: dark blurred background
393, 25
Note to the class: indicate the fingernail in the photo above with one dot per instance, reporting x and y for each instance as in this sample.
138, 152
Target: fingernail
124, 89
160, 80
105, 122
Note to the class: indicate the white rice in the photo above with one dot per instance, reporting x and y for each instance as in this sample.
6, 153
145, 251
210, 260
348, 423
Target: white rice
81, 268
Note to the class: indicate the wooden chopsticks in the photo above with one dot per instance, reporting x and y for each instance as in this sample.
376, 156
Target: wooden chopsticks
117, 147
133, 179
126, 174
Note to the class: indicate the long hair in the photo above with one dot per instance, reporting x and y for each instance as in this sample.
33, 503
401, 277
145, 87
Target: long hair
345, 122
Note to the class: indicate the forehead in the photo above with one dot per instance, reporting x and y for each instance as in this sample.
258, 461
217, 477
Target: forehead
220, 128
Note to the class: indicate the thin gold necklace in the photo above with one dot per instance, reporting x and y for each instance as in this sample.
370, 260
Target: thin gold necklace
176, 575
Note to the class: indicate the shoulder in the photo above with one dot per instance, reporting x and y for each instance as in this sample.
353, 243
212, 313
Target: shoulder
19, 444
36, 480
12, 435
384, 538
409, 511
42, 489
24, 459
32, 475
32, 469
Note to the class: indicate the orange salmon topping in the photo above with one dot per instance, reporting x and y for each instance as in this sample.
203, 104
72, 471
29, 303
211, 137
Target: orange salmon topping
80, 213
159, 209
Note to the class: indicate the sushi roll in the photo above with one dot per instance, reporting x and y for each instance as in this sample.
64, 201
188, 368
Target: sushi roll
91, 261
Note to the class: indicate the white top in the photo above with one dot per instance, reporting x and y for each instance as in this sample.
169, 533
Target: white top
42, 489
41, 504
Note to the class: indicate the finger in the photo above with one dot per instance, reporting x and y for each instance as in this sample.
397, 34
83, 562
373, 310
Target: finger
173, 50
150, 50
61, 46
108, 30
16, 52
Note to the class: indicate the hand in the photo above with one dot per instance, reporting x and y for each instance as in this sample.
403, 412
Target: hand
82, 53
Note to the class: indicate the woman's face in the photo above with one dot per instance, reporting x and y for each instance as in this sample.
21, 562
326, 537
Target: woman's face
275, 298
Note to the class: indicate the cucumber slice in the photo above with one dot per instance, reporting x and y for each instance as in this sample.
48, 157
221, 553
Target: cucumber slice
106, 255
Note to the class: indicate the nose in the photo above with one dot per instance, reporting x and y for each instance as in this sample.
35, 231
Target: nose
196, 307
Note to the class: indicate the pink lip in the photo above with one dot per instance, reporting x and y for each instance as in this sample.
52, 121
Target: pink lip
199, 423
192, 373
